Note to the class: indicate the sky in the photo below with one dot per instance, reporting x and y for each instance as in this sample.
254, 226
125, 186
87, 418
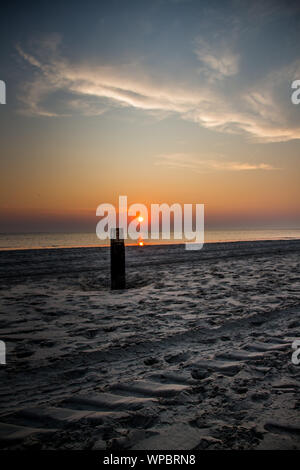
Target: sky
163, 101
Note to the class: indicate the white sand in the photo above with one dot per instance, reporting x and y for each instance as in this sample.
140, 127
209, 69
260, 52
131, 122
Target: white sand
195, 354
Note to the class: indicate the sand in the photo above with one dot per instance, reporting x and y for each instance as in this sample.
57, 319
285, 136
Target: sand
194, 354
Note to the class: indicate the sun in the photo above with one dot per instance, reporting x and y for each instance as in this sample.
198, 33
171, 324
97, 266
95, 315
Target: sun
141, 243
140, 218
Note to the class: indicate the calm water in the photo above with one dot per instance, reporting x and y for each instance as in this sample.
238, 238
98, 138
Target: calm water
60, 240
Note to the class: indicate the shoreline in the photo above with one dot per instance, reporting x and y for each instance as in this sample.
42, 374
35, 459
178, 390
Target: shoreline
80, 260
167, 243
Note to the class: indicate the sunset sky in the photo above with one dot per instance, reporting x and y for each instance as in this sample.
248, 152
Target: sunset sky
162, 101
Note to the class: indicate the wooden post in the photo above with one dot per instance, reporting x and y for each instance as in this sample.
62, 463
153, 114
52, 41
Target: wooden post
117, 260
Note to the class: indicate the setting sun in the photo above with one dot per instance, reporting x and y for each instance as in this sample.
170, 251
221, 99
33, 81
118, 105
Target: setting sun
140, 218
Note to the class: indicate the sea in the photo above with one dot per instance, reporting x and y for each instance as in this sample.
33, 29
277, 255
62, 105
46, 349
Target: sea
27, 241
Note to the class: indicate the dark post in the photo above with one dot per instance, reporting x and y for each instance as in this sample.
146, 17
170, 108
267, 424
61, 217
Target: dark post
117, 260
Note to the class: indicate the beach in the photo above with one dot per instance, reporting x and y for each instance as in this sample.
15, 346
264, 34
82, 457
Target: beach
196, 353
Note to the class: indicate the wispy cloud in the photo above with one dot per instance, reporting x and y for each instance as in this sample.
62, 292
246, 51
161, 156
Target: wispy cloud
216, 62
183, 160
60, 86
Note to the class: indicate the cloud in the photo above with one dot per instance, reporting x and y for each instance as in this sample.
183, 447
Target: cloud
260, 110
127, 86
182, 160
217, 62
